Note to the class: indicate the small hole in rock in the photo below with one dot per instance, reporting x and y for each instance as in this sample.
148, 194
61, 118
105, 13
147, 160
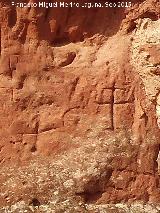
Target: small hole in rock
48, 78
35, 202
69, 59
24, 182
33, 149
12, 142
131, 27
148, 14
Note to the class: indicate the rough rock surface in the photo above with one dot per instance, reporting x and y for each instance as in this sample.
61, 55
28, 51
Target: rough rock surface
80, 109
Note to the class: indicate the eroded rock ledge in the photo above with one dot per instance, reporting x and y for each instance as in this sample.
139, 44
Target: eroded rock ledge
79, 106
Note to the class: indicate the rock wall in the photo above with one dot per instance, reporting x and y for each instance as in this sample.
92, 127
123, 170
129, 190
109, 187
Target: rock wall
80, 91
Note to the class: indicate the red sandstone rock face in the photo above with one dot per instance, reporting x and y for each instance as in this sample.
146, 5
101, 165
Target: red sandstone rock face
74, 83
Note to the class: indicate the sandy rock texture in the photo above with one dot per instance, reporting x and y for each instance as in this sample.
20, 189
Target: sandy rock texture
80, 109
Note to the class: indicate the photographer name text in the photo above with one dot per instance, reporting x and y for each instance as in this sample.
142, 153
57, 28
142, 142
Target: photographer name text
123, 4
